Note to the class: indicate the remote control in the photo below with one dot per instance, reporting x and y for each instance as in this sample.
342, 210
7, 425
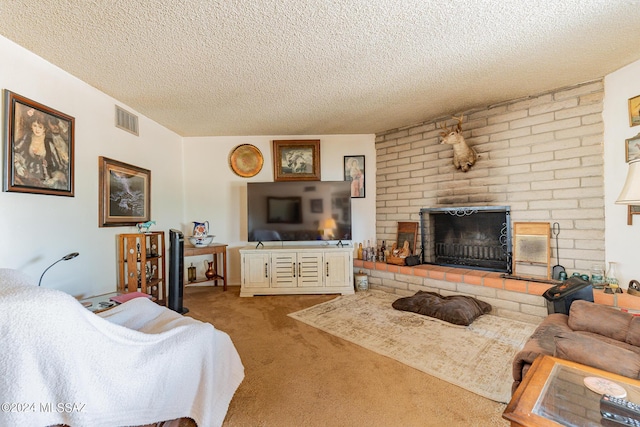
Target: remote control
620, 410
618, 420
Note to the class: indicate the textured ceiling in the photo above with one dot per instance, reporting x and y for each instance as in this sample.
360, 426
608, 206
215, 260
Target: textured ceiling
303, 67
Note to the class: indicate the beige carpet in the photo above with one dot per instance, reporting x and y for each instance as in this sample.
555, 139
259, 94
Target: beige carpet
299, 376
476, 358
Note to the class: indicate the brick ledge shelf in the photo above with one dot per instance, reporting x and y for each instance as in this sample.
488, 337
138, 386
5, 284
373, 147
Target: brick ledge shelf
517, 299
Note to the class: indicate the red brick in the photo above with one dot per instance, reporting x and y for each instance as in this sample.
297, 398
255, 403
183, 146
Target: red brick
421, 272
515, 285
472, 279
625, 300
493, 282
436, 274
406, 270
393, 268
599, 297
453, 276
536, 288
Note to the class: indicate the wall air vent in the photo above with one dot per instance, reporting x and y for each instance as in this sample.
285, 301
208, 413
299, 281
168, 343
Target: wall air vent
126, 121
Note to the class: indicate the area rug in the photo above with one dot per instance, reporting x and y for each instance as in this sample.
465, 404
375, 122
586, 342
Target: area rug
475, 357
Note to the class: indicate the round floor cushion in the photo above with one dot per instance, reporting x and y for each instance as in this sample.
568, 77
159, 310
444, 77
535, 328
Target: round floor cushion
456, 309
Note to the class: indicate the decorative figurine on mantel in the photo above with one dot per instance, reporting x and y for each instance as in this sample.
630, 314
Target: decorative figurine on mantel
143, 227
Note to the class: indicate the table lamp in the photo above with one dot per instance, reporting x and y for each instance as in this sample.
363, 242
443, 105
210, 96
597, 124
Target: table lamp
328, 225
64, 258
630, 194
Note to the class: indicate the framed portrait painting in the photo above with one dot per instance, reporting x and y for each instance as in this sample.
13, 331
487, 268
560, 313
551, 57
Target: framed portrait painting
125, 193
355, 173
38, 148
296, 160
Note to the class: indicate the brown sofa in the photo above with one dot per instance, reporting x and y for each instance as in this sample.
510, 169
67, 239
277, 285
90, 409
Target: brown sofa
592, 334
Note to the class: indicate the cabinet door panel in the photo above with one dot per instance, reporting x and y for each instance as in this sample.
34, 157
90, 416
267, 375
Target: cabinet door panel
285, 270
256, 270
310, 269
337, 269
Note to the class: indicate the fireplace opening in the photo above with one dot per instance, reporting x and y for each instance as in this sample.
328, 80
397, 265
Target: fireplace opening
473, 237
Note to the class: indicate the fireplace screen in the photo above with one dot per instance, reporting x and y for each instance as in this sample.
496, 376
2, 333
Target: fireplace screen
474, 237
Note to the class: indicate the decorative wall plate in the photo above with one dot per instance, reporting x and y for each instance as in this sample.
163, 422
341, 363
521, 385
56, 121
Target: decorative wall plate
246, 160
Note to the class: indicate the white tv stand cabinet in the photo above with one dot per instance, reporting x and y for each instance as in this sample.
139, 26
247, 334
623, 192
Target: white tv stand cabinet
299, 269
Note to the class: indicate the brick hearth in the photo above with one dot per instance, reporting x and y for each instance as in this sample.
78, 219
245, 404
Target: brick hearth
516, 299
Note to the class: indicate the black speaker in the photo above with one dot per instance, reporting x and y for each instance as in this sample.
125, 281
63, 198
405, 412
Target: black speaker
176, 271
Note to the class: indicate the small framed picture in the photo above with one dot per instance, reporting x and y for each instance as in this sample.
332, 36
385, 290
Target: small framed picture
632, 148
355, 173
316, 206
38, 148
634, 111
296, 160
125, 193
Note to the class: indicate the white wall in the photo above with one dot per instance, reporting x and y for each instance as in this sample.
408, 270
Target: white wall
214, 193
36, 230
621, 240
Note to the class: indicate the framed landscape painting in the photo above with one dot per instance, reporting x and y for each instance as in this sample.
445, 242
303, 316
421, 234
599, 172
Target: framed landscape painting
39, 148
296, 160
632, 148
125, 193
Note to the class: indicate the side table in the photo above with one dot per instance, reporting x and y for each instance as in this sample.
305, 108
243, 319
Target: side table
214, 249
96, 301
553, 394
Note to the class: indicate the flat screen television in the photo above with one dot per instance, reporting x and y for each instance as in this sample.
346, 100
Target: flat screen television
299, 211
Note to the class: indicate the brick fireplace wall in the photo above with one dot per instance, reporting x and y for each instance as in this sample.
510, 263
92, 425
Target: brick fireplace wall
543, 156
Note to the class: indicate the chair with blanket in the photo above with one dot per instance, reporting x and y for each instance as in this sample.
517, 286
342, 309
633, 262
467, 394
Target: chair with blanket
136, 364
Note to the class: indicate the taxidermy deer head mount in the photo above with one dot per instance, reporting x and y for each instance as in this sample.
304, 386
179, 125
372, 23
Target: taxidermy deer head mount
463, 156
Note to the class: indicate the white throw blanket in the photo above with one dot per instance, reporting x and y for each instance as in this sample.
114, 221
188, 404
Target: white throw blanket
135, 364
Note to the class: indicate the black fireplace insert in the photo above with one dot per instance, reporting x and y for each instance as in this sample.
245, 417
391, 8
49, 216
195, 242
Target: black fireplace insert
477, 237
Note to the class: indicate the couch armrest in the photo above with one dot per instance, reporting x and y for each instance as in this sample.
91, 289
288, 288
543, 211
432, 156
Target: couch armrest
540, 342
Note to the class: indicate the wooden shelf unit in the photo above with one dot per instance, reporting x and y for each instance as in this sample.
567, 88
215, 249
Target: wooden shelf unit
139, 253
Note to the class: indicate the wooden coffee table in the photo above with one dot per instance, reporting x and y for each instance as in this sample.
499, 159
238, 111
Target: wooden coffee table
553, 394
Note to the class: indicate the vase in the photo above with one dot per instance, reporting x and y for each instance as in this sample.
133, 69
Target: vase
597, 276
200, 229
611, 279
210, 273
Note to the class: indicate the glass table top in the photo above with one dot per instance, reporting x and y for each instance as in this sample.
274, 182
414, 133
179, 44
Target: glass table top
566, 400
